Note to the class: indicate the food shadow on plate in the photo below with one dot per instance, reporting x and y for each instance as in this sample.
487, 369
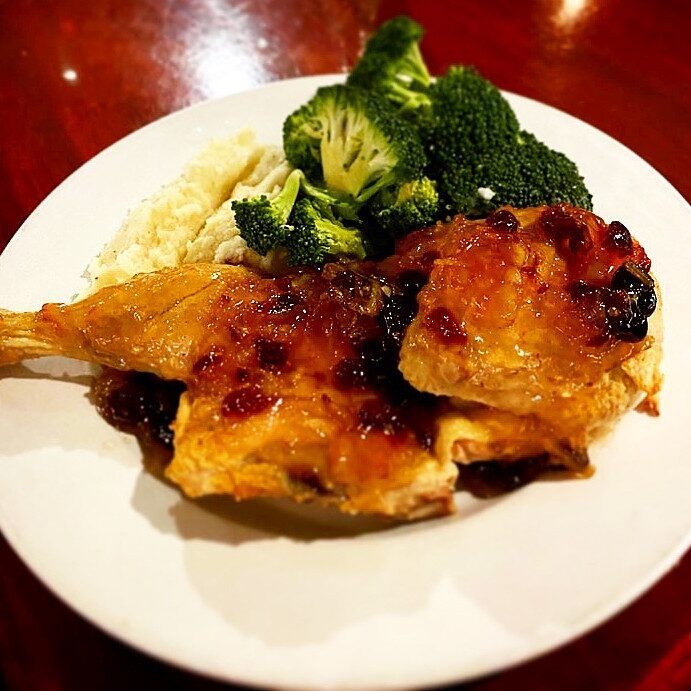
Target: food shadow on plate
224, 520
80, 374
231, 548
303, 583
290, 591
40, 400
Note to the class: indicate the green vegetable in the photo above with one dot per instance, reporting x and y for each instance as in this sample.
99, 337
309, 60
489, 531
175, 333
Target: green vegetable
469, 116
342, 205
392, 150
301, 210
522, 173
317, 235
400, 209
352, 142
392, 64
480, 158
263, 223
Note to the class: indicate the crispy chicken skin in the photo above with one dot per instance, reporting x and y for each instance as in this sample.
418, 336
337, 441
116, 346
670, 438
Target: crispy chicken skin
520, 336
289, 392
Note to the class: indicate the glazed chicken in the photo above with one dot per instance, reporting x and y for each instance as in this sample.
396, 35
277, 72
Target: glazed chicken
524, 335
292, 389
535, 322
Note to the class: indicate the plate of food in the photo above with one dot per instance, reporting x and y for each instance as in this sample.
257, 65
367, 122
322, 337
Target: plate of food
356, 397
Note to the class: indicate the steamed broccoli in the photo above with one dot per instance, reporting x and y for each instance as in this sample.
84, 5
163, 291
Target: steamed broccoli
317, 234
300, 211
352, 142
469, 116
392, 64
393, 150
400, 209
522, 173
339, 204
263, 222
480, 158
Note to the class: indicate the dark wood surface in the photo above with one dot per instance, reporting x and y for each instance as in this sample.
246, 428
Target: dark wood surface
76, 76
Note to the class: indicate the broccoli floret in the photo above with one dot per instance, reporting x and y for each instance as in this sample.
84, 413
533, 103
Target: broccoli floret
338, 204
352, 142
317, 234
392, 64
532, 174
469, 116
522, 174
480, 158
413, 204
266, 224
263, 222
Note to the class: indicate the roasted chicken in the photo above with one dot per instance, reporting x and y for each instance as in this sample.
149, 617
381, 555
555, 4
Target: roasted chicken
520, 336
290, 388
535, 322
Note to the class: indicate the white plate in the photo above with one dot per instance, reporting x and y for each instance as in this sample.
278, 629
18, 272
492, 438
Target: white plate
272, 595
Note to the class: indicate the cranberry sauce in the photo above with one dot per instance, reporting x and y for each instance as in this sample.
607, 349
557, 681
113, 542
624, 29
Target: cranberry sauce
620, 295
138, 402
486, 479
397, 408
445, 326
245, 401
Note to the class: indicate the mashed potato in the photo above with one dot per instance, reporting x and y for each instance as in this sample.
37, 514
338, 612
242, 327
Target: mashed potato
219, 240
190, 219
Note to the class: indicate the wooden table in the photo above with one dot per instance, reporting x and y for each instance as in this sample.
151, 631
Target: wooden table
76, 76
